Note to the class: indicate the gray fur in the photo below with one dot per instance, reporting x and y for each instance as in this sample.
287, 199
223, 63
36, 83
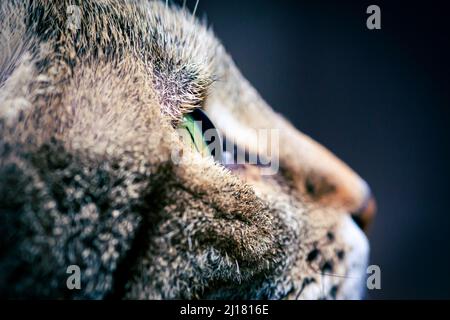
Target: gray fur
87, 128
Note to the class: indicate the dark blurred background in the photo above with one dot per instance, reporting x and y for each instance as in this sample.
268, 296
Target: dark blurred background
378, 99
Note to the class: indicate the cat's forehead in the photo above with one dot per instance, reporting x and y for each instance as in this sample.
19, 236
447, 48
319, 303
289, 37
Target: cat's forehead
183, 54
177, 50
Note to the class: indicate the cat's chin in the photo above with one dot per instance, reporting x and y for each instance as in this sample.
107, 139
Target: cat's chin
356, 260
349, 282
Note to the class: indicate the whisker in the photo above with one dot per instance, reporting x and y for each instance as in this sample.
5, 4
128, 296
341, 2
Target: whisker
333, 274
195, 8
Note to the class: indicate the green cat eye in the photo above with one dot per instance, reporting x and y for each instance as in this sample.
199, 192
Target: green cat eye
198, 130
193, 134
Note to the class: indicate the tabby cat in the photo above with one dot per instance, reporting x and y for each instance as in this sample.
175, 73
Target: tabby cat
94, 99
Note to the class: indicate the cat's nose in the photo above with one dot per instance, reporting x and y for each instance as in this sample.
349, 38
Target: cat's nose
363, 217
326, 180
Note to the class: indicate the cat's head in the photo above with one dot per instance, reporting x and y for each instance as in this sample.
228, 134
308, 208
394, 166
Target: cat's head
103, 166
